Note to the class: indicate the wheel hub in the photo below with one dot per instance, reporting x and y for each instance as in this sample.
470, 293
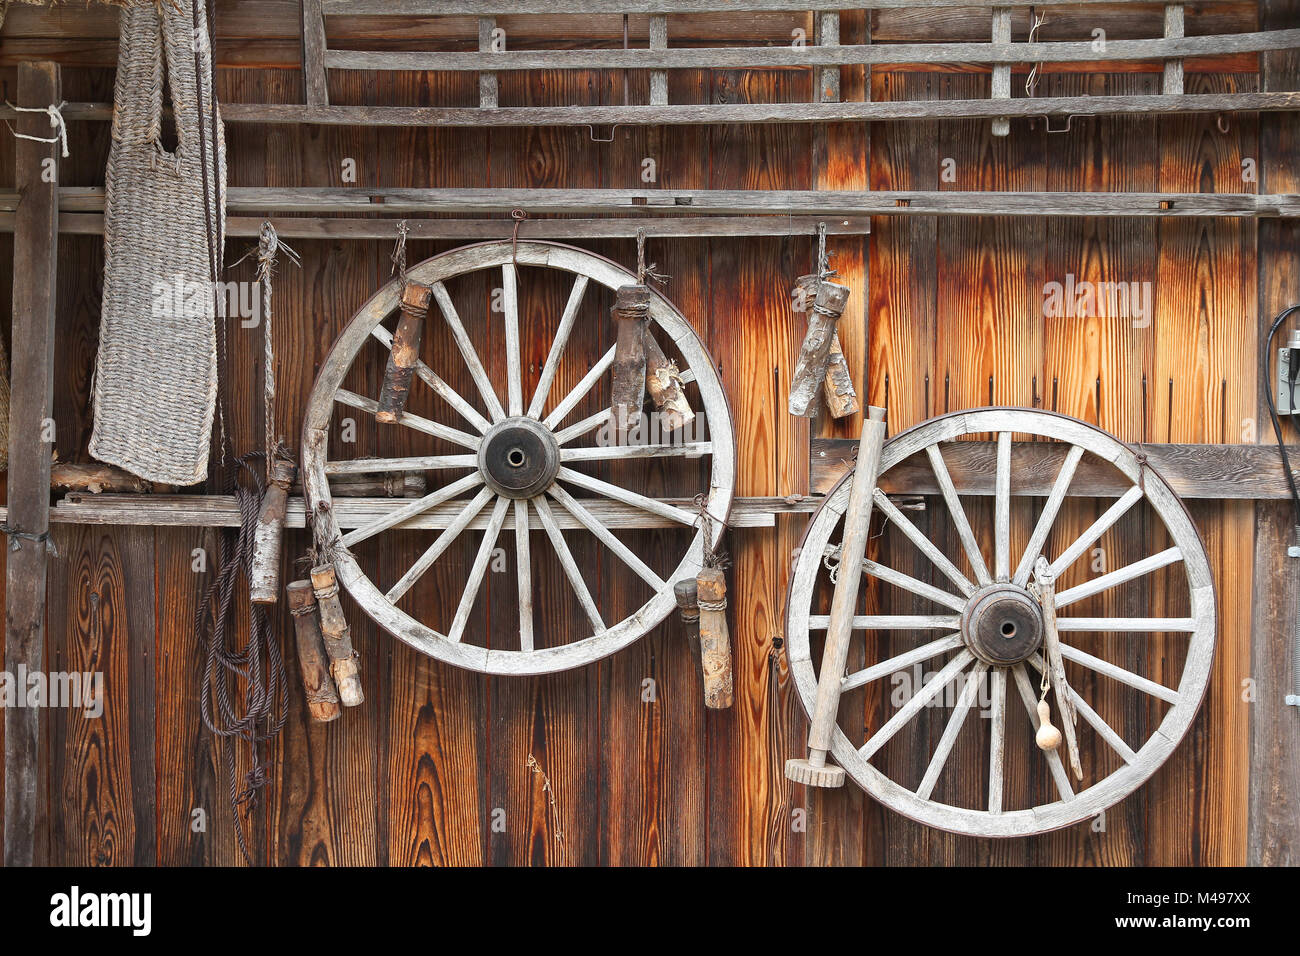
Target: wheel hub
1002, 624
519, 458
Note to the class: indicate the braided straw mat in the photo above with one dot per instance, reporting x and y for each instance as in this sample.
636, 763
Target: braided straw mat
156, 373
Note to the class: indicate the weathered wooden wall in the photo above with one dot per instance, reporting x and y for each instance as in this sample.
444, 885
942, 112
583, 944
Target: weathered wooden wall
585, 771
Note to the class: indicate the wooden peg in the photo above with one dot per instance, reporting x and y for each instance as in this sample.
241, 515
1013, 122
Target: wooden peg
810, 369
405, 352
715, 640
631, 312
664, 383
814, 771
322, 695
345, 663
1047, 737
688, 604
264, 571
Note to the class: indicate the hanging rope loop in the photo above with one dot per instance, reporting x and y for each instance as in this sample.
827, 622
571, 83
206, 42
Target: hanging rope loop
57, 123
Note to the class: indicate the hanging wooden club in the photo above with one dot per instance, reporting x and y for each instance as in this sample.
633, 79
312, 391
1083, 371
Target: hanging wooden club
810, 369
264, 572
405, 352
631, 312
345, 663
813, 771
837, 386
322, 695
687, 593
663, 380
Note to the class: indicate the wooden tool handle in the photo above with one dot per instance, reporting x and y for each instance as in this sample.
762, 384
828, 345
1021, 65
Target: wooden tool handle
810, 368
837, 388
345, 663
664, 383
688, 604
631, 312
264, 570
715, 640
322, 695
405, 353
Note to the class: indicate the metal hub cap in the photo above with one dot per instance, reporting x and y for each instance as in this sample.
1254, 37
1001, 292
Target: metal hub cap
519, 458
1002, 624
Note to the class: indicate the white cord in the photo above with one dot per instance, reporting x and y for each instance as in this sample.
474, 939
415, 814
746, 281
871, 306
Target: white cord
56, 122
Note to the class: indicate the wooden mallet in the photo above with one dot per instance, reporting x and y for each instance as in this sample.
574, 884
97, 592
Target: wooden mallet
814, 771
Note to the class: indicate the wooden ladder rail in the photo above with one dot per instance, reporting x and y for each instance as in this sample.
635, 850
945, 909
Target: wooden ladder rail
1174, 30
316, 90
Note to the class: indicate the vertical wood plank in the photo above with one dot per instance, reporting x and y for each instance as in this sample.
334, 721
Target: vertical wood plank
31, 398
1174, 26
658, 78
487, 82
1274, 834
315, 85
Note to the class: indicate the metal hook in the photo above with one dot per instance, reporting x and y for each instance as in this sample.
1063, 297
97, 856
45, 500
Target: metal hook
1069, 120
591, 131
1221, 121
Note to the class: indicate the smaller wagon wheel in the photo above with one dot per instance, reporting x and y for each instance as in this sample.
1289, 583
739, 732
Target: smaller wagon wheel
986, 638
524, 465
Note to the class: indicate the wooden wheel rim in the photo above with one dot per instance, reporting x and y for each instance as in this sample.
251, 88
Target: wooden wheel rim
359, 330
1107, 791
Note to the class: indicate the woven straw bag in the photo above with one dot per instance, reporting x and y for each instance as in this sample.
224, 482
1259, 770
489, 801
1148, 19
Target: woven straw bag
156, 372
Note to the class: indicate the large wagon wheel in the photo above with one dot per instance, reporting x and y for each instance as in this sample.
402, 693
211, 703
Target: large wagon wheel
523, 460
990, 634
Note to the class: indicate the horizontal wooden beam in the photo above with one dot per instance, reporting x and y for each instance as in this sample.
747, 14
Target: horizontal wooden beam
267, 200
759, 57
695, 114
220, 511
676, 227
478, 8
1193, 471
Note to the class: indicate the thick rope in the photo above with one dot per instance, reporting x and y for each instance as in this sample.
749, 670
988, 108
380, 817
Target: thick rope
260, 714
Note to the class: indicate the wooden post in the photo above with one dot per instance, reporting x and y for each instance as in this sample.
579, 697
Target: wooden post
814, 771
715, 639
31, 399
405, 353
827, 33
345, 666
487, 82
664, 383
1002, 73
264, 570
322, 695
631, 312
658, 78
1173, 80
810, 369
316, 89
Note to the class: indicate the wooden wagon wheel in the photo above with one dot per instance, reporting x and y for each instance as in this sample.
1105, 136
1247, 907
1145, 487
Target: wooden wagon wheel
990, 633
523, 460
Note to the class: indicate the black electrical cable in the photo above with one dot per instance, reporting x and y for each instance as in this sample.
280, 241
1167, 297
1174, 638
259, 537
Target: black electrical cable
1266, 383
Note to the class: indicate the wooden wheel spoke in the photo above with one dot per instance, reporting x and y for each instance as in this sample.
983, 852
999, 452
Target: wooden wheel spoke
1126, 625
914, 585
891, 622
1002, 510
1115, 672
439, 387
556, 353
570, 401
955, 723
525, 574
897, 663
570, 566
694, 449
419, 506
440, 544
958, 514
918, 700
415, 422
997, 736
617, 493
514, 361
1095, 720
1050, 510
1096, 530
467, 352
588, 424
478, 571
1054, 763
589, 521
923, 544
355, 466
1119, 576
